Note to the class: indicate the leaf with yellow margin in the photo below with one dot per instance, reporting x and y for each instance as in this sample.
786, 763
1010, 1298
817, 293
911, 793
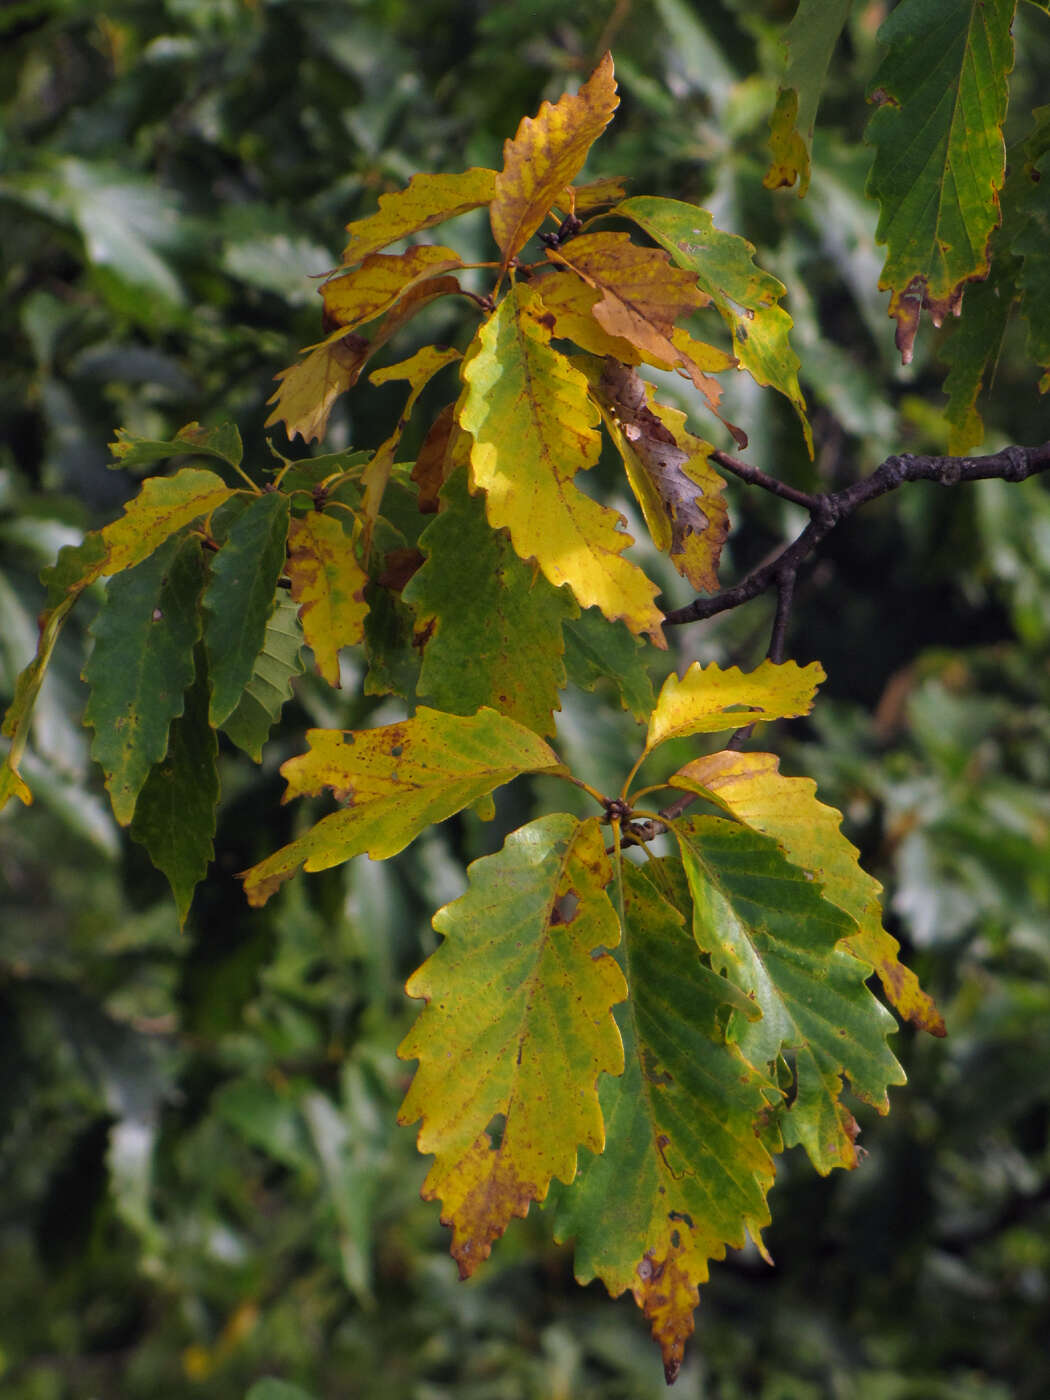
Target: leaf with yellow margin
546, 154
395, 781
165, 504
752, 789
683, 1162
810, 41
518, 1023
745, 297
381, 280
329, 585
427, 200
707, 699
680, 495
534, 426
767, 928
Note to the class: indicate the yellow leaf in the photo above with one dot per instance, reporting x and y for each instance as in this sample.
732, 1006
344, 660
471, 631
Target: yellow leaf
708, 699
546, 154
329, 585
571, 302
751, 788
427, 200
787, 146
381, 280
595, 194
310, 388
519, 1023
395, 781
680, 495
165, 504
534, 427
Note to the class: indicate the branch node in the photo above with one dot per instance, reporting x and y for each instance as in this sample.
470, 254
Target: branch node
1016, 468
895, 469
951, 471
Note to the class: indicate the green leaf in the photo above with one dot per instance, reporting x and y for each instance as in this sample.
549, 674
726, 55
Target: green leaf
396, 781
491, 627
752, 789
270, 683
162, 507
390, 645
518, 1023
239, 597
597, 649
534, 427
142, 664
766, 926
175, 813
682, 1160
707, 699
939, 154
972, 351
810, 41
744, 296
270, 1389
223, 442
1032, 244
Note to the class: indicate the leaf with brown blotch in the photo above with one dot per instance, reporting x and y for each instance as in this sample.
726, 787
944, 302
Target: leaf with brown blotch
679, 493
303, 402
546, 154
329, 585
381, 280
427, 200
431, 465
642, 296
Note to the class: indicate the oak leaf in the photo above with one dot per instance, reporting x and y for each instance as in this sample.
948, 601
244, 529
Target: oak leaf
708, 699
329, 584
427, 200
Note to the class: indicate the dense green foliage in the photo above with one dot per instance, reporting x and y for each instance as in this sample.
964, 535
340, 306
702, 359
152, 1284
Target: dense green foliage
205, 1180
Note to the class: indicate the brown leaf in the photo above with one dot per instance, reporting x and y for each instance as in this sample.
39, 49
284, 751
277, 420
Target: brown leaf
546, 154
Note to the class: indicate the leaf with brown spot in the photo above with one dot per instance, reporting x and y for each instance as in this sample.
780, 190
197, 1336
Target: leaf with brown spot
328, 583
518, 1023
546, 155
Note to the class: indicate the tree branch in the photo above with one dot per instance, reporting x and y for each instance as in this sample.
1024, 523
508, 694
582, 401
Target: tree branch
829, 508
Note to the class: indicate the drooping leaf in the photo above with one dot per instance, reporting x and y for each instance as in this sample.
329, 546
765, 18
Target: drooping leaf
518, 1023
223, 442
142, 664
764, 924
683, 1163
309, 389
427, 200
395, 781
270, 683
534, 427
163, 506
329, 584
810, 41
939, 153
751, 788
364, 293
746, 297
707, 699
490, 626
546, 154
679, 493
175, 813
418, 370
239, 597
596, 650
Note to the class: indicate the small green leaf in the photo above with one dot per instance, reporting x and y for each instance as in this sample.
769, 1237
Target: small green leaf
597, 649
240, 597
490, 625
223, 442
270, 683
175, 813
142, 664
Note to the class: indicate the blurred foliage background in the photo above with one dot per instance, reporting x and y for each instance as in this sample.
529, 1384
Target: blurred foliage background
202, 1182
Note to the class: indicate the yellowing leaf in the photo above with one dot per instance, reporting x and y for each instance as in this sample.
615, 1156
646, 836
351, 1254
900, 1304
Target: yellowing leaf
683, 1162
789, 151
426, 201
680, 495
518, 1023
395, 781
309, 389
708, 699
940, 160
750, 787
810, 41
595, 194
381, 280
534, 427
570, 301
165, 504
546, 154
329, 585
